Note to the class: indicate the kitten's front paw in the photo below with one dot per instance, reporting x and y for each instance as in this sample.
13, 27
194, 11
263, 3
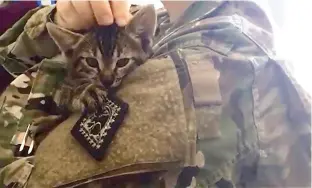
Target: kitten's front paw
91, 98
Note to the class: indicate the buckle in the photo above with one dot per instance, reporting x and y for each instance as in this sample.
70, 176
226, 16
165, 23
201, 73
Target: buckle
23, 142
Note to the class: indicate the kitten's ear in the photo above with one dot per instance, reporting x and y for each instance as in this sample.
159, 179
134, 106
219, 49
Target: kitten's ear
144, 22
63, 38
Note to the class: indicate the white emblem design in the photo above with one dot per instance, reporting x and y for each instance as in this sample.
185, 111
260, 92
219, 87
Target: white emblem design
95, 130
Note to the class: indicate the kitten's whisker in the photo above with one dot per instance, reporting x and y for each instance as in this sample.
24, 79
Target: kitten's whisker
82, 86
99, 85
83, 74
84, 80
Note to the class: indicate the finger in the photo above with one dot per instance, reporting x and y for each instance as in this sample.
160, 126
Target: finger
64, 12
67, 16
121, 13
84, 13
102, 12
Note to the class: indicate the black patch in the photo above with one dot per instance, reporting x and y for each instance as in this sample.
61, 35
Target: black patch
95, 130
45, 104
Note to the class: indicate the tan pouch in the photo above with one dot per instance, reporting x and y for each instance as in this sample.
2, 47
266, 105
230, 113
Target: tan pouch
154, 136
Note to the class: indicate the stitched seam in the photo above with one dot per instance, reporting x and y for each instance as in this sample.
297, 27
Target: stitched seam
239, 22
255, 96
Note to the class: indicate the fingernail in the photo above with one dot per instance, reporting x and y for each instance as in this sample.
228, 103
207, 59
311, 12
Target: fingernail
107, 20
121, 22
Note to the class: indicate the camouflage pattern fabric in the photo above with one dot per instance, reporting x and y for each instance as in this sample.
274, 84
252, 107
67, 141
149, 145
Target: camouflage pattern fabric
30, 98
245, 121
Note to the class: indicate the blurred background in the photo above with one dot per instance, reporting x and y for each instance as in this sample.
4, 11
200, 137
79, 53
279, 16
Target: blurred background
292, 25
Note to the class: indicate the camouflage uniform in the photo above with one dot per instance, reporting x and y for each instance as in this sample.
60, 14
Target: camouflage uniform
228, 113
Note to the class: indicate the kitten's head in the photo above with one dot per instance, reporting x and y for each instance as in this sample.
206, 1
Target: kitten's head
107, 53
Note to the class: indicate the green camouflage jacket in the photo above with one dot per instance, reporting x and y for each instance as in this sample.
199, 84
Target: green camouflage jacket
213, 107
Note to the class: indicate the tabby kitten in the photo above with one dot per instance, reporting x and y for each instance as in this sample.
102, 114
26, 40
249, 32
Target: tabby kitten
100, 59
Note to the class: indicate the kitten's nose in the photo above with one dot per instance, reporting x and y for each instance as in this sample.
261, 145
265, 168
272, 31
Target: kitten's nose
107, 81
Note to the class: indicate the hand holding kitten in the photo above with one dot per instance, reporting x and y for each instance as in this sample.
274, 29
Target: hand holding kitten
80, 15
100, 59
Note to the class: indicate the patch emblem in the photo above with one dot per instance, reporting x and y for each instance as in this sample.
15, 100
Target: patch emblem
95, 130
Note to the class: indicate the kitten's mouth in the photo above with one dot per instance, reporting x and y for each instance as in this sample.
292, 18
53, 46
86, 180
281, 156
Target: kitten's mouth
108, 83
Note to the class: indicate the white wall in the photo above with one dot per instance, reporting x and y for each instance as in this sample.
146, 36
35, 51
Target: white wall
294, 39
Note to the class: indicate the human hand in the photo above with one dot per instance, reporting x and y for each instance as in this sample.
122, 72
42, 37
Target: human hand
79, 15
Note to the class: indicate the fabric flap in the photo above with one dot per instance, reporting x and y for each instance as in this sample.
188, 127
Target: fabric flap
153, 135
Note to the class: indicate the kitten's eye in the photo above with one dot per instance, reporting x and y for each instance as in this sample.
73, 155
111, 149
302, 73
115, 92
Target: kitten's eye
92, 62
122, 62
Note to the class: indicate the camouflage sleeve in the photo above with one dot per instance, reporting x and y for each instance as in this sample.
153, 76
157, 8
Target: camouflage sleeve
27, 42
269, 110
28, 53
253, 119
